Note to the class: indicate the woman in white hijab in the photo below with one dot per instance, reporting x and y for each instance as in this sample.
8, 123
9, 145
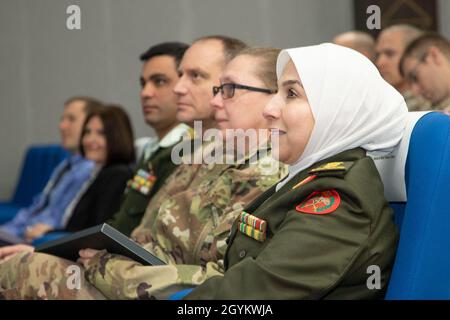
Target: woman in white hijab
326, 231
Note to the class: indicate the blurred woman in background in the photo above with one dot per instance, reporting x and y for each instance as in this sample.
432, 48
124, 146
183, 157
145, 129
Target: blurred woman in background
106, 139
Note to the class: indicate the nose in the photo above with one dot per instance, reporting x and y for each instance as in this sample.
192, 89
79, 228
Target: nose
89, 138
62, 125
380, 61
217, 101
272, 109
147, 91
180, 87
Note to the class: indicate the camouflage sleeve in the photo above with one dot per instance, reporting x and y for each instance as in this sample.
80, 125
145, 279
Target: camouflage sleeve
36, 275
118, 277
247, 184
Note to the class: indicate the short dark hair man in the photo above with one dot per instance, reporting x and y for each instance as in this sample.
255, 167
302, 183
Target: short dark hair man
391, 43
159, 105
426, 65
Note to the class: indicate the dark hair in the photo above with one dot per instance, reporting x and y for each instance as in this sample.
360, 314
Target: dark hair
231, 46
419, 47
173, 49
118, 133
90, 104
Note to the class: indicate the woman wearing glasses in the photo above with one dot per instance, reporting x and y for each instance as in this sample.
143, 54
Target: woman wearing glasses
208, 207
326, 231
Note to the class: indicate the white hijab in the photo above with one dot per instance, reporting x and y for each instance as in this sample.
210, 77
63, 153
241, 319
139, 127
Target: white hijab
352, 105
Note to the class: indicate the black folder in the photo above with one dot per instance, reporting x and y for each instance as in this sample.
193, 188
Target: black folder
99, 237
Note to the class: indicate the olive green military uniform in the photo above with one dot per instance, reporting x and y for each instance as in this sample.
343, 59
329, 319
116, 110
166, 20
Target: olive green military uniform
313, 239
153, 169
185, 224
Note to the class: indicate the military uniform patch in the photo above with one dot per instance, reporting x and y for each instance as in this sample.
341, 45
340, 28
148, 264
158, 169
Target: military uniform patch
252, 226
332, 167
320, 202
142, 182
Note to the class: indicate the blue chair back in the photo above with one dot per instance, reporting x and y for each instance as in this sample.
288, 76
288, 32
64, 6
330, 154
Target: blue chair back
39, 163
422, 264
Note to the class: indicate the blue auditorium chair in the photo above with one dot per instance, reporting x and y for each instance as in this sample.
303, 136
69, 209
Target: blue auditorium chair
422, 265
39, 162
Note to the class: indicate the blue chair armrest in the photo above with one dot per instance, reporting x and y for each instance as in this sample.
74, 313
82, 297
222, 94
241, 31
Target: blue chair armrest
49, 237
180, 294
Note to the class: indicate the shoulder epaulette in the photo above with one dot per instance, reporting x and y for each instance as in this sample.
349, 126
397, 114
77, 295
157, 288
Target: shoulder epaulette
332, 167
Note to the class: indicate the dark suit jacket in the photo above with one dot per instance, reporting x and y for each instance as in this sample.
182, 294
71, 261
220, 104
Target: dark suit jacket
102, 198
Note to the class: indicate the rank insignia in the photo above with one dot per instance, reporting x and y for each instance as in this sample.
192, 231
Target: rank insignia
142, 182
320, 202
333, 166
252, 226
304, 181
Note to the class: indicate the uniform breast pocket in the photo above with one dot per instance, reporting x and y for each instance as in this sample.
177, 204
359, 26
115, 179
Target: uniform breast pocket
135, 203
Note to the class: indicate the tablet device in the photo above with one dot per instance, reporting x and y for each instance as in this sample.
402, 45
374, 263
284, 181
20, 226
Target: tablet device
99, 237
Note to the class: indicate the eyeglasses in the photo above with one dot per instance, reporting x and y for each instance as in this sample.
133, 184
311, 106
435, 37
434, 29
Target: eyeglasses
412, 75
227, 89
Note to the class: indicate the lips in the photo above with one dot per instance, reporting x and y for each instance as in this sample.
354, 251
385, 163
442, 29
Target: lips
220, 119
149, 108
276, 132
93, 148
182, 105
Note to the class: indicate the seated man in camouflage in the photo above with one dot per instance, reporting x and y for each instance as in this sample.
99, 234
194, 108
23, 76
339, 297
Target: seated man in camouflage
186, 222
159, 105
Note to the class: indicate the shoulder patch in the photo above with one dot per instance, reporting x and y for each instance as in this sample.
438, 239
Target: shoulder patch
320, 202
340, 166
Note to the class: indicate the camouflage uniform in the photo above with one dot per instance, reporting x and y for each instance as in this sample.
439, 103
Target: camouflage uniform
156, 162
40, 276
415, 102
186, 224
444, 106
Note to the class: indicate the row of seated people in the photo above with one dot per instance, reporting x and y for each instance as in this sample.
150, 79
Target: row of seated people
411, 60
230, 229
85, 189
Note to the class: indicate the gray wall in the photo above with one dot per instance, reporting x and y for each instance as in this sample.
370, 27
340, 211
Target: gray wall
42, 63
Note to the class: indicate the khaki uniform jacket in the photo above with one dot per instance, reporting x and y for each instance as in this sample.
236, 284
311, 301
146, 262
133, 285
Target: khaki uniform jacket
312, 255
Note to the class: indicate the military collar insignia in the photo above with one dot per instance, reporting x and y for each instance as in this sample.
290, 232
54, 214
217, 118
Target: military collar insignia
304, 181
142, 182
332, 167
175, 135
320, 202
252, 226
